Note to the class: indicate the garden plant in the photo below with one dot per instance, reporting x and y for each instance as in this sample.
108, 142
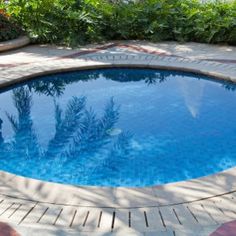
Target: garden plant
74, 22
8, 29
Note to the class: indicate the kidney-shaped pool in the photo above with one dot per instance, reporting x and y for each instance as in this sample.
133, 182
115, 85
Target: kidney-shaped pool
118, 127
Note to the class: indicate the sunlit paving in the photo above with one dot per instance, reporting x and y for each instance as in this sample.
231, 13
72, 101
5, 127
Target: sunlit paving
117, 118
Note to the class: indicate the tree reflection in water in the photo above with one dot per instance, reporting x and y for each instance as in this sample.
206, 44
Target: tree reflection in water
55, 86
78, 129
228, 85
25, 142
79, 132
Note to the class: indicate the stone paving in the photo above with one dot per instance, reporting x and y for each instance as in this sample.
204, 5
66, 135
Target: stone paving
192, 208
14, 44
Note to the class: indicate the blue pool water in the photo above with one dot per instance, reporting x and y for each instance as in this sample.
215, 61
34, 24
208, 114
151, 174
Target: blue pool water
118, 127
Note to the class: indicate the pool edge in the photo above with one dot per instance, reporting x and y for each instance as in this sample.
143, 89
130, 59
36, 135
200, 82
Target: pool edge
164, 195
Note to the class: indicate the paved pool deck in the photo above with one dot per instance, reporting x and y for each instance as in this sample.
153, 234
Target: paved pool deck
189, 208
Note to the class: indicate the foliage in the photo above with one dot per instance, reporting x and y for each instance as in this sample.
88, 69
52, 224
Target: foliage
73, 22
54, 21
25, 139
8, 29
78, 129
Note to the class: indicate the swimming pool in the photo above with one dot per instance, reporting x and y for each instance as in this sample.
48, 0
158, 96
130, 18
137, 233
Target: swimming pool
118, 127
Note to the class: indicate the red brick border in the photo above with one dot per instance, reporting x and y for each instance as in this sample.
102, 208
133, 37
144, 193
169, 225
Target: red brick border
119, 45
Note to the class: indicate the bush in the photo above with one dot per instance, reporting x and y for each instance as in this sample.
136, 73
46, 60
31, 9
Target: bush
55, 21
73, 22
8, 30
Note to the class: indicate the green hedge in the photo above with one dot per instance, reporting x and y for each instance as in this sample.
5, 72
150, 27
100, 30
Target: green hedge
75, 22
8, 30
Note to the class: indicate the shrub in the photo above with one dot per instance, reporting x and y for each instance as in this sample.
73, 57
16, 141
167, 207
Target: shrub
8, 30
74, 22
55, 21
